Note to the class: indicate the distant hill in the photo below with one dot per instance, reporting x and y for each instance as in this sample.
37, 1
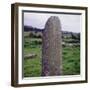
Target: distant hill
65, 34
30, 28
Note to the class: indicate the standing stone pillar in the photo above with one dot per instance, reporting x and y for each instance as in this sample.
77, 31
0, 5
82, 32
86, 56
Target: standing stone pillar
52, 48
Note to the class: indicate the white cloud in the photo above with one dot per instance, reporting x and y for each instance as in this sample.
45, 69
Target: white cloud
69, 22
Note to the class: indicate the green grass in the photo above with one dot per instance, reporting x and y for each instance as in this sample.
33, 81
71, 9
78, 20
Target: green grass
33, 66
71, 60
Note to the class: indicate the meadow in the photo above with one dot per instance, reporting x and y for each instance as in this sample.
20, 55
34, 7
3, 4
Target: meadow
33, 66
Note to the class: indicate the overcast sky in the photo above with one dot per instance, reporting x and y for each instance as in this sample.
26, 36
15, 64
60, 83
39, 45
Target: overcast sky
69, 22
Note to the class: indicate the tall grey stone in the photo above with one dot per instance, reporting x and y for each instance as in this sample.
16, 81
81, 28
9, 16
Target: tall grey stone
52, 48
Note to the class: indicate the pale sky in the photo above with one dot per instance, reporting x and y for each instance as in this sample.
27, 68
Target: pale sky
69, 22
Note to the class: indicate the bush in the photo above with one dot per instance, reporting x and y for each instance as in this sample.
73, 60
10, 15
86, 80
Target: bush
38, 42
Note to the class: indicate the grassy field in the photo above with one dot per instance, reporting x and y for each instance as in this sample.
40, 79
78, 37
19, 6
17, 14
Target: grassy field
33, 66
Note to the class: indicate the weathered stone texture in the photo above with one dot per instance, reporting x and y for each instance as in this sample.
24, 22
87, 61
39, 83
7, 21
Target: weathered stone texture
52, 48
